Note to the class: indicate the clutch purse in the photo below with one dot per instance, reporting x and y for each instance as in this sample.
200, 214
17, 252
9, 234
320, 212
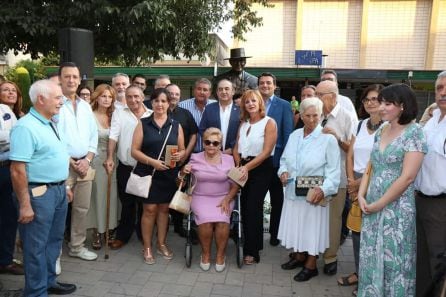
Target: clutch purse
234, 175
304, 183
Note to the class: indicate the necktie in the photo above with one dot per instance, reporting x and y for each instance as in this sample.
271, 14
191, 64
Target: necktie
324, 122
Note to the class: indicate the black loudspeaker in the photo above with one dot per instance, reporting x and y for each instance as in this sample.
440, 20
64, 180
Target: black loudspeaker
76, 45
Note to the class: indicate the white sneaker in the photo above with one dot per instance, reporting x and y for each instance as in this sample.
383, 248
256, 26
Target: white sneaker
58, 267
84, 254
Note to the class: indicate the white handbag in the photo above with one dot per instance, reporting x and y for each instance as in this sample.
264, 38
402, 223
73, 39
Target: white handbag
140, 185
181, 201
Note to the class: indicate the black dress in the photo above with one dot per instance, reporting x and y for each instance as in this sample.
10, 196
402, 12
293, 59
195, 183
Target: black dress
163, 182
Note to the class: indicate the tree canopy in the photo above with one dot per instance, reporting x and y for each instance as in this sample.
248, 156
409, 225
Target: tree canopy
138, 32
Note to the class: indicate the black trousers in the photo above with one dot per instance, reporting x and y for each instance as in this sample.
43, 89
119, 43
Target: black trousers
276, 196
253, 195
129, 218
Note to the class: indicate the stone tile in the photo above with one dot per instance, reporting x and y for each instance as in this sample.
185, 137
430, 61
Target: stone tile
227, 290
164, 277
201, 289
139, 278
252, 290
211, 277
177, 290
282, 278
187, 278
259, 278
234, 278
151, 289
118, 277
126, 289
276, 290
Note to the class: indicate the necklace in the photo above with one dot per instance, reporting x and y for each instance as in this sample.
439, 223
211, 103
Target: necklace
373, 127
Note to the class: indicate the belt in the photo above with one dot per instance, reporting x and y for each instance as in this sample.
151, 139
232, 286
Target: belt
442, 195
47, 184
77, 159
5, 163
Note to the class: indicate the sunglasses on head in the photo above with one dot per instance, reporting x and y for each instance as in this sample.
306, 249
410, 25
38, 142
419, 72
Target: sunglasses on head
214, 143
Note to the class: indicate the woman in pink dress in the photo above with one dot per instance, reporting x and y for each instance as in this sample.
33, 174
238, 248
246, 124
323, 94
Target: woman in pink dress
213, 197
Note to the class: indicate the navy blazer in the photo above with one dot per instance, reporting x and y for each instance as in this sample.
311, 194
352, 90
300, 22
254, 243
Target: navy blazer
211, 118
280, 111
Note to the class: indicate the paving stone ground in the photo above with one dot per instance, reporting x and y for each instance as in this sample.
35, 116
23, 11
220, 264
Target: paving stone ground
125, 274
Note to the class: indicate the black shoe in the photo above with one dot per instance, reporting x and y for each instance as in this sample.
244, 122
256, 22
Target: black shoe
305, 274
292, 264
61, 289
331, 269
274, 241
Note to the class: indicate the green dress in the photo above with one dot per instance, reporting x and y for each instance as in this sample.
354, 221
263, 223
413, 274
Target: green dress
387, 264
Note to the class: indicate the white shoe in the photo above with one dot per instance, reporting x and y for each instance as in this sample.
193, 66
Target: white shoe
84, 254
220, 268
58, 267
204, 266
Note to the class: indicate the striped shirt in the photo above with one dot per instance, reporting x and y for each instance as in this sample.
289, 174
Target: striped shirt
189, 104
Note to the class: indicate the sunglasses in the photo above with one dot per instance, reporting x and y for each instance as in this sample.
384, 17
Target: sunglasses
213, 143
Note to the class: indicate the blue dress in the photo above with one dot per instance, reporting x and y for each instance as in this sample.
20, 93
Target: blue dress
387, 264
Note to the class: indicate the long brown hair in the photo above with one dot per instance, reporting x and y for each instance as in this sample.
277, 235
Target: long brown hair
98, 92
17, 108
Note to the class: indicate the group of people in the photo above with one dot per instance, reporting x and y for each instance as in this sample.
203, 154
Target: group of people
81, 146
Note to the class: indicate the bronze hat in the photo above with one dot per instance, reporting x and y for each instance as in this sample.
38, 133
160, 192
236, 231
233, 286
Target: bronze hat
237, 53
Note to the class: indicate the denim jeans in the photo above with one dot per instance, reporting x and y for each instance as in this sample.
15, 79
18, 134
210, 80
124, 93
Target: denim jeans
8, 218
42, 240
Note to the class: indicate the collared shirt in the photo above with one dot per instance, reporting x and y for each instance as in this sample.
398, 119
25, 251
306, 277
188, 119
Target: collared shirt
184, 117
119, 105
197, 113
123, 124
348, 105
225, 115
317, 154
36, 143
78, 128
343, 123
268, 103
7, 121
431, 179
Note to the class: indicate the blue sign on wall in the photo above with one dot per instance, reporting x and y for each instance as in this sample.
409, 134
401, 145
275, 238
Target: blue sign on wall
311, 58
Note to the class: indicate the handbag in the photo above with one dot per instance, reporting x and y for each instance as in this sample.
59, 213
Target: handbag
181, 201
304, 183
140, 185
354, 217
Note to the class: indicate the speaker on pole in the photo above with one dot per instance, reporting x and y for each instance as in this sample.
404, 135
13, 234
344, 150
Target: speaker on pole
76, 45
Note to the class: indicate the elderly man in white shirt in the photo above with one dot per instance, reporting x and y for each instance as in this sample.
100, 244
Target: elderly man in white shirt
340, 123
77, 127
123, 123
120, 82
431, 193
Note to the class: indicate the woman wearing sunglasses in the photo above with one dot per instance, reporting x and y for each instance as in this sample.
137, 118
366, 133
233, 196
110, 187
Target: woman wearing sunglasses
213, 197
253, 154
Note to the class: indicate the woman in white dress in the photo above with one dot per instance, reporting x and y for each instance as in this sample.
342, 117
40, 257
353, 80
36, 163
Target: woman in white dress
304, 224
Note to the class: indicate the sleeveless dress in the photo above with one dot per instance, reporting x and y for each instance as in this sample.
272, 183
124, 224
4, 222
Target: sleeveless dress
96, 217
212, 186
387, 265
163, 182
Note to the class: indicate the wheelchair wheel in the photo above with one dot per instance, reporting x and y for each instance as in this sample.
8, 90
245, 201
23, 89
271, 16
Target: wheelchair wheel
239, 254
188, 254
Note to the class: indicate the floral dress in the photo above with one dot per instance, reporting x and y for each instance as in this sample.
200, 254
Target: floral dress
387, 264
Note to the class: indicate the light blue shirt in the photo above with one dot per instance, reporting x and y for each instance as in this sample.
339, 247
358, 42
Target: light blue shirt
315, 155
268, 103
34, 142
197, 114
78, 129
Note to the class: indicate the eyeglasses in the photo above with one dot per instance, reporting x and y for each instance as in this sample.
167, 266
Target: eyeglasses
320, 95
370, 100
213, 143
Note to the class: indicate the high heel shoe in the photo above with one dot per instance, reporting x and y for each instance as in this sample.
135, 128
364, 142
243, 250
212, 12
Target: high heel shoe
204, 266
148, 257
96, 243
165, 251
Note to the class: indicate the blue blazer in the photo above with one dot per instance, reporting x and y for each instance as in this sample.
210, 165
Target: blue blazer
211, 118
280, 111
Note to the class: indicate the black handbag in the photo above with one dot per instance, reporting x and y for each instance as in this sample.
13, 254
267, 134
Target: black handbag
304, 183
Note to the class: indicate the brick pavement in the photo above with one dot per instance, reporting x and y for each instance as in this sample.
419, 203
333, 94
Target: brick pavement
125, 274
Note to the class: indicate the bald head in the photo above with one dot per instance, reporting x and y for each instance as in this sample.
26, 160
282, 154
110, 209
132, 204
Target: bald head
327, 91
327, 86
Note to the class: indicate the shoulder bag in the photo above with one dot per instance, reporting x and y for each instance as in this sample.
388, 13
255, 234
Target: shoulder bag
140, 185
181, 201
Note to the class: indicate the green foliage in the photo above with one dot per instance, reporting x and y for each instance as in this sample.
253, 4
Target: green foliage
35, 69
24, 82
133, 31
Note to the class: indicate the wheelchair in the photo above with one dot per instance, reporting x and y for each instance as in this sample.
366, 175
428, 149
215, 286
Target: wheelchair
236, 233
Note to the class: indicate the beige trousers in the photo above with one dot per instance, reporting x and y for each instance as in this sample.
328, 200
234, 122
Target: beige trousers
79, 210
336, 208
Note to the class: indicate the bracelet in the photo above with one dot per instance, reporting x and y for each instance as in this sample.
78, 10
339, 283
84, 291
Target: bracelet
67, 187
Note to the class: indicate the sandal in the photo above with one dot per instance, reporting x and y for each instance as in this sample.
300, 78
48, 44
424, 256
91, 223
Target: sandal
96, 242
346, 280
148, 257
355, 292
249, 260
164, 250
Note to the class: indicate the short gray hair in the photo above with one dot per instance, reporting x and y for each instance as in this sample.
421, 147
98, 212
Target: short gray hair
136, 88
41, 88
203, 81
120, 74
440, 76
311, 102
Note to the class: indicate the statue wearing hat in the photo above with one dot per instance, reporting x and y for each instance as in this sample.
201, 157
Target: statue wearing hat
241, 79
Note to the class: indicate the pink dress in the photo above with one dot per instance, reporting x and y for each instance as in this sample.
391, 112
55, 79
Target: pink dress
211, 187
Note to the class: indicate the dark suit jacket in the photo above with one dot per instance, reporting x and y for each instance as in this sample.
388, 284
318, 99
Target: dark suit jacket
280, 111
211, 118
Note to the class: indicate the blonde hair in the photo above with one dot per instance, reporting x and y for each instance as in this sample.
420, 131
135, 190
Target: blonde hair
244, 115
212, 131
